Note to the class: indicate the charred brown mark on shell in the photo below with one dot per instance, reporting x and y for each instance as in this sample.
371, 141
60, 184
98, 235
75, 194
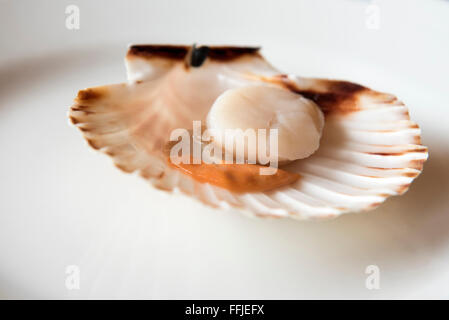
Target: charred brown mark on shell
93, 144
420, 148
83, 110
162, 51
394, 153
180, 52
335, 97
79, 107
374, 205
417, 164
417, 139
415, 149
403, 188
124, 168
411, 174
387, 153
84, 129
90, 94
73, 120
230, 53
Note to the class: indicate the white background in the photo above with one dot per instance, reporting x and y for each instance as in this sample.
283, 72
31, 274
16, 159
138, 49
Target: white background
63, 204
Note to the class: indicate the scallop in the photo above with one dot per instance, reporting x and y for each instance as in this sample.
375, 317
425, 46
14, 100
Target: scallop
299, 121
347, 147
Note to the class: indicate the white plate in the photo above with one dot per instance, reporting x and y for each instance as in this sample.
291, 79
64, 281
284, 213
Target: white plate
63, 204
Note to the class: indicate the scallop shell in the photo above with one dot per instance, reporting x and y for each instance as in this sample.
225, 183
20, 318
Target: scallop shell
370, 149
